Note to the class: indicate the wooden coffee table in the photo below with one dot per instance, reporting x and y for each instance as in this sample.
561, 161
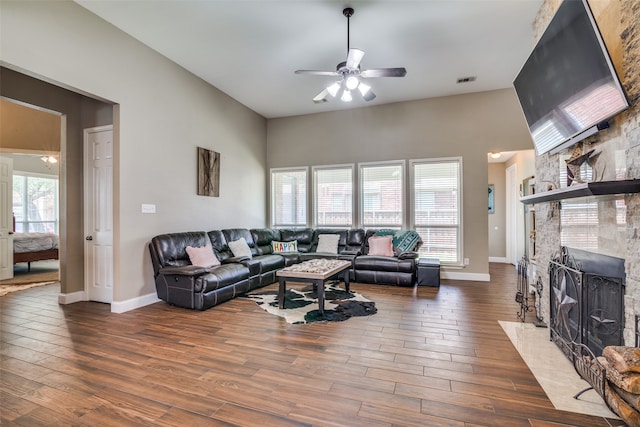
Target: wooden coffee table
316, 271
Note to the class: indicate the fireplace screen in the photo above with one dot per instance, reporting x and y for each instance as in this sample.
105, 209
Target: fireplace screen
587, 300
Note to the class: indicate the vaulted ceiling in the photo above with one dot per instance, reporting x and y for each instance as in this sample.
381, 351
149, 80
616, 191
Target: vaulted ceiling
250, 49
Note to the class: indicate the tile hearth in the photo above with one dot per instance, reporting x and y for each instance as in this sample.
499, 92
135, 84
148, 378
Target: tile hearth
553, 370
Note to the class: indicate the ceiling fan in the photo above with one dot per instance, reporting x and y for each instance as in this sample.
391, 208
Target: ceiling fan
350, 75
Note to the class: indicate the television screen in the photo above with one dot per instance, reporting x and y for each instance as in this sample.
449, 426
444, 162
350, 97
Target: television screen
568, 86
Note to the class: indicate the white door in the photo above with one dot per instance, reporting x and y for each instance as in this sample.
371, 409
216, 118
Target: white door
6, 218
98, 206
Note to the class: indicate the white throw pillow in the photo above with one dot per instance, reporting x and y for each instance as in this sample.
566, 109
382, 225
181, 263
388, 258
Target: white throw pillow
203, 256
240, 248
328, 243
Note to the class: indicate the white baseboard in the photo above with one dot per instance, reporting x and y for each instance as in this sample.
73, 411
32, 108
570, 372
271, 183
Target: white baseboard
133, 303
498, 259
455, 275
72, 297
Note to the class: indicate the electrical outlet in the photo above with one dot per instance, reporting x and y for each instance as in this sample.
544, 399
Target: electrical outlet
466, 261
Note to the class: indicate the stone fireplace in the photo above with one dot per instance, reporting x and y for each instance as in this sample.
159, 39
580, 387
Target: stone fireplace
589, 310
604, 224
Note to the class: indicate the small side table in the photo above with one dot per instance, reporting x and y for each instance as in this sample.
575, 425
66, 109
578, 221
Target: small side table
428, 272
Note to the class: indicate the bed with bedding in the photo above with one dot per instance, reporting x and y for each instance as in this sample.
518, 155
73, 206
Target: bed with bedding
30, 247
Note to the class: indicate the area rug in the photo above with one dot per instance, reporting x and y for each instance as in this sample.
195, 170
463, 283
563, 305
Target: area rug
26, 278
301, 304
5, 289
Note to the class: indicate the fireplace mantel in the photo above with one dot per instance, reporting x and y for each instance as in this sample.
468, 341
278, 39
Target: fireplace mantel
585, 189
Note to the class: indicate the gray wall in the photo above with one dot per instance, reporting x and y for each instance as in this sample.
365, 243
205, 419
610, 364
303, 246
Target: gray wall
161, 115
465, 125
80, 112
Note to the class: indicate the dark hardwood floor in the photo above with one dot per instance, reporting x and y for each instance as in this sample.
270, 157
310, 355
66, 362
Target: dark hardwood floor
431, 357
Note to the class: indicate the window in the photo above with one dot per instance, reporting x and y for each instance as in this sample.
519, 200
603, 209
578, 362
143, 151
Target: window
382, 195
35, 203
333, 196
289, 197
436, 208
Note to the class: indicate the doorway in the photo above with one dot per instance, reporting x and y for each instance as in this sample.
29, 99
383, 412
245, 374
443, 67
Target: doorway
511, 217
30, 197
78, 112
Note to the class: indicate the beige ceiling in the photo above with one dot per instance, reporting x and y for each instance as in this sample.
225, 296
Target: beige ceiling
250, 49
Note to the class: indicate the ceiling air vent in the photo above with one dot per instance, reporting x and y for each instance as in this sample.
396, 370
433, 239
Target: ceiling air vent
467, 79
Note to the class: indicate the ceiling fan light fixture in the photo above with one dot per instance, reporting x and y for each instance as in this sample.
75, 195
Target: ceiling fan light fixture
49, 159
352, 82
350, 74
364, 89
366, 92
333, 89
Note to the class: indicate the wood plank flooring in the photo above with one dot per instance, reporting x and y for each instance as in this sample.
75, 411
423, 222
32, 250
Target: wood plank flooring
429, 357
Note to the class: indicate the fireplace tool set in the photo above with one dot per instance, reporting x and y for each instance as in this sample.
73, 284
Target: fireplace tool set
522, 294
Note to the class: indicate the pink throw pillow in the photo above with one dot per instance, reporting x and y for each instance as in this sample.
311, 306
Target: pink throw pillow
381, 245
203, 256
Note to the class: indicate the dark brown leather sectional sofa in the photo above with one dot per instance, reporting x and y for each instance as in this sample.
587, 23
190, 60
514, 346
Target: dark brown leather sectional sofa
182, 284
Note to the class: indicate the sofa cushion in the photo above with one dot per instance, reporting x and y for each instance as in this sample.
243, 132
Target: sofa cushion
355, 240
270, 262
304, 237
240, 248
384, 263
262, 238
202, 256
219, 244
233, 234
381, 246
328, 243
221, 276
170, 250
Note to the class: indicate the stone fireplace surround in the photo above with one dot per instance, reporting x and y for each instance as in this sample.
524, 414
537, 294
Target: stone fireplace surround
610, 224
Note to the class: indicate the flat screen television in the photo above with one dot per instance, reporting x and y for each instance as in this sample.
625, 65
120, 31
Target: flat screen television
568, 88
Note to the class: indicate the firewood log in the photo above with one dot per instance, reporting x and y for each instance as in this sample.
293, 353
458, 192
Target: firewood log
629, 381
624, 359
632, 399
619, 406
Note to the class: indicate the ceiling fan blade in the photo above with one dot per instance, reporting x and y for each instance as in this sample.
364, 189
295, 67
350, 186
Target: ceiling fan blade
353, 58
384, 72
318, 72
321, 97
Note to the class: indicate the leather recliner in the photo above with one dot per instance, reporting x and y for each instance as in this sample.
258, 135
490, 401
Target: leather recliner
182, 284
397, 270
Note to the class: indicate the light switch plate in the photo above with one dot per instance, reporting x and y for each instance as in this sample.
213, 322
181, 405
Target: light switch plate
148, 208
